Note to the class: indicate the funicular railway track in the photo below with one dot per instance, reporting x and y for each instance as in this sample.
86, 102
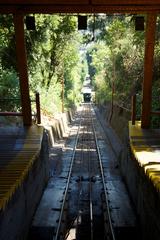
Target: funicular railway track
85, 188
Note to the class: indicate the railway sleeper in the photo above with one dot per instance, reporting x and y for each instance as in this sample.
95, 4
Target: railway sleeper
123, 220
124, 223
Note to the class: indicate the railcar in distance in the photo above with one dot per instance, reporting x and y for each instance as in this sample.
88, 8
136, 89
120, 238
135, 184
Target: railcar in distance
87, 97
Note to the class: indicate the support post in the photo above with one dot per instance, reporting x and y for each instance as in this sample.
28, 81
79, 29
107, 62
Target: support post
38, 109
62, 95
22, 68
62, 92
133, 110
148, 69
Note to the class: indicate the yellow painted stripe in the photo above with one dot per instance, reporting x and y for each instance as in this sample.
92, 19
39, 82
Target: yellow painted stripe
13, 174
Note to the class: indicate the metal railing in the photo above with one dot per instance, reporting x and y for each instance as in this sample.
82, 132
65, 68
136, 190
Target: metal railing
37, 115
136, 112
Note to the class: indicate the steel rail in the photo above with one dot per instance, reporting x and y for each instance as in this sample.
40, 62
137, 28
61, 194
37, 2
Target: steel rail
80, 182
90, 193
110, 233
103, 181
83, 143
89, 170
67, 185
77, 219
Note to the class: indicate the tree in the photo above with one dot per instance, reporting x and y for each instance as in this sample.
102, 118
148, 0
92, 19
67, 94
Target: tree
53, 52
122, 60
54, 44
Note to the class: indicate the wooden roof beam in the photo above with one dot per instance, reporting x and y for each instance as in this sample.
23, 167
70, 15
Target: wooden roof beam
80, 2
50, 9
79, 6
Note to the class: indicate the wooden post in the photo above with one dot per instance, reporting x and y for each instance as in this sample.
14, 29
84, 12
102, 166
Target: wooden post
148, 70
62, 94
113, 89
62, 82
133, 110
22, 68
38, 108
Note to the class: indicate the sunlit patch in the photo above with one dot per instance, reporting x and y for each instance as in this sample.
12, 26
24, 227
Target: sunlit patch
67, 149
86, 150
153, 172
145, 157
53, 154
145, 145
71, 235
87, 132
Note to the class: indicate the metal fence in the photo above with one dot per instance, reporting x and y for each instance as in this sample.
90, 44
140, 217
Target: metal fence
12, 107
155, 112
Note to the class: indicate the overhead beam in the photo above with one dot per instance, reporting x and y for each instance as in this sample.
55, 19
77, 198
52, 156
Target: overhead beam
78, 8
148, 70
22, 68
73, 2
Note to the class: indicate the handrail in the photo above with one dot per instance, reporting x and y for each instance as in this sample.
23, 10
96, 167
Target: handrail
9, 99
38, 112
155, 112
133, 110
10, 113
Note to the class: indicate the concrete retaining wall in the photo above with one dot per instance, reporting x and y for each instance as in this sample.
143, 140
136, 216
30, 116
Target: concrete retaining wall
57, 127
119, 120
15, 220
145, 198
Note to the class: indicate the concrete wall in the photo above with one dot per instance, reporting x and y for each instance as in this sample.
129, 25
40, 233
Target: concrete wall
144, 195
145, 198
57, 127
119, 120
15, 220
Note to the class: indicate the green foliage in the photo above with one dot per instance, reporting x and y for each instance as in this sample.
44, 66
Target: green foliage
9, 90
9, 83
53, 53
7, 42
111, 52
117, 58
51, 98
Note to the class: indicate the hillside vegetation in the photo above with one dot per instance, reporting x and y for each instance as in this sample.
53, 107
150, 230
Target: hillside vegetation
111, 51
